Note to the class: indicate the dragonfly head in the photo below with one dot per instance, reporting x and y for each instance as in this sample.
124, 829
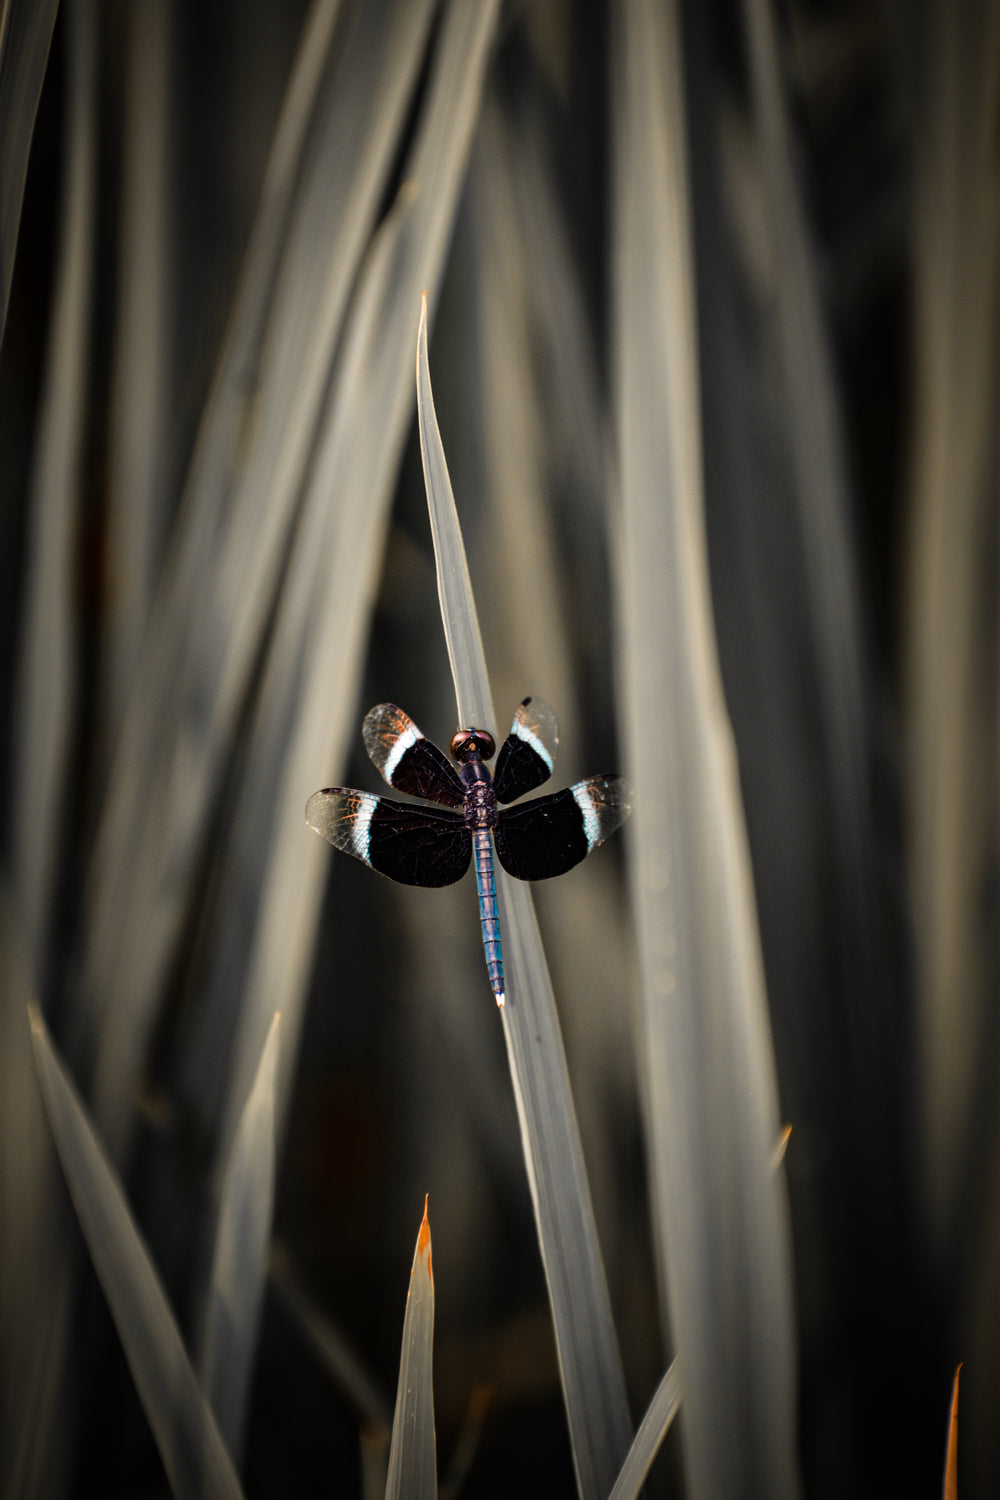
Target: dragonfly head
465, 743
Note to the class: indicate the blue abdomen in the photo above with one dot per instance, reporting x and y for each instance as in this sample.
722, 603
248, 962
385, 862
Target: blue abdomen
483, 851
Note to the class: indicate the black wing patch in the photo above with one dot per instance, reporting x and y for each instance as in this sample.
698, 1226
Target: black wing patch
414, 845
408, 760
550, 835
528, 754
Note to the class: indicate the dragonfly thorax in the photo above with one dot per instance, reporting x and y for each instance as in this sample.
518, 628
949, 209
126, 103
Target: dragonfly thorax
480, 797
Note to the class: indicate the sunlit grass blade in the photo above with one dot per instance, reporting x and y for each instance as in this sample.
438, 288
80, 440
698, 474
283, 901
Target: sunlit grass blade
652, 1430
720, 1216
587, 1348
25, 34
458, 611
240, 1259
45, 693
306, 710
413, 1454
193, 1453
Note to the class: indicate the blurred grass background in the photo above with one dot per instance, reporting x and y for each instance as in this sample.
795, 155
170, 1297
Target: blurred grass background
216, 557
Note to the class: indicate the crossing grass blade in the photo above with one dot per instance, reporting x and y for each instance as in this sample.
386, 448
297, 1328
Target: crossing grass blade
193, 1453
36, 1279
586, 1344
652, 1430
711, 1103
413, 1452
240, 1259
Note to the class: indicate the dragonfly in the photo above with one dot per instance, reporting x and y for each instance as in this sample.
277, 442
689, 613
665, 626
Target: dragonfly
434, 845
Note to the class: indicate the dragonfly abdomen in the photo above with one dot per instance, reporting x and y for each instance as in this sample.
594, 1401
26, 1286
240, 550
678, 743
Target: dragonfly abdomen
485, 884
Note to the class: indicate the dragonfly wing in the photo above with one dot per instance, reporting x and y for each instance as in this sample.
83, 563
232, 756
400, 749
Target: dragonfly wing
528, 754
407, 759
414, 845
550, 835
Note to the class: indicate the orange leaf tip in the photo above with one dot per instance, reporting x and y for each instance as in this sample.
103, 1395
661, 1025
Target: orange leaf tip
424, 1237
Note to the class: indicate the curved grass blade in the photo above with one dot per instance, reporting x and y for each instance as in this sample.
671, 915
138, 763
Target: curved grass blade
413, 1454
193, 1453
653, 1429
25, 35
720, 1215
239, 1264
587, 1348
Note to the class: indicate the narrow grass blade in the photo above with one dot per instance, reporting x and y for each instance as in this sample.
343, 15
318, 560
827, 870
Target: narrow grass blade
951, 635
342, 1364
36, 1249
458, 610
589, 1361
193, 1453
950, 1490
25, 34
653, 1429
45, 694
140, 468
239, 1265
413, 1454
720, 1217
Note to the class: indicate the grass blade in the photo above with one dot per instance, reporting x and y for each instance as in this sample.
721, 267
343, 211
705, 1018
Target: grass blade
589, 1361
48, 662
950, 1489
712, 1115
193, 1453
35, 1249
240, 1260
652, 1430
139, 458
413, 1453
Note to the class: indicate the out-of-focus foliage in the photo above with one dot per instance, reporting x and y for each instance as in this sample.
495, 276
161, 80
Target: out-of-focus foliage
713, 340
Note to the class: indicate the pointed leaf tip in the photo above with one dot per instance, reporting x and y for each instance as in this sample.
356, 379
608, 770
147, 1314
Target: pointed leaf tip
424, 1238
951, 1460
